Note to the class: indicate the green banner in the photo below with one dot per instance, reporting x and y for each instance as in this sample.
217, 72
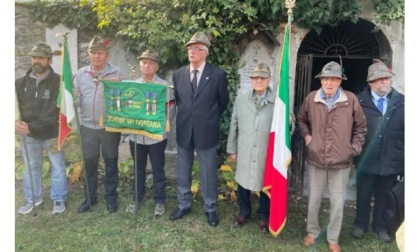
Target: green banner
134, 107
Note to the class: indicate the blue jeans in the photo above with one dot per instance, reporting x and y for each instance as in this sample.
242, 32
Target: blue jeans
35, 149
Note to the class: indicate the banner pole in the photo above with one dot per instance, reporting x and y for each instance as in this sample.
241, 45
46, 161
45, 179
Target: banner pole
135, 173
82, 156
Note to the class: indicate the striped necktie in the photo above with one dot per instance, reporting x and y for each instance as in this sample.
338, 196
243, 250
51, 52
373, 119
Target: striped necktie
194, 81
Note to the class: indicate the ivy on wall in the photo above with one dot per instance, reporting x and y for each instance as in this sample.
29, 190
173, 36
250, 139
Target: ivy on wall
167, 25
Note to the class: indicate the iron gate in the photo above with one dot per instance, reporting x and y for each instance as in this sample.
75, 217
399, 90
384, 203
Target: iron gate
302, 88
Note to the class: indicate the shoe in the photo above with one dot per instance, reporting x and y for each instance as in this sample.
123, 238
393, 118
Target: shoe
179, 213
334, 247
159, 209
309, 240
384, 236
358, 233
131, 208
240, 221
27, 208
112, 207
84, 207
263, 225
58, 207
212, 219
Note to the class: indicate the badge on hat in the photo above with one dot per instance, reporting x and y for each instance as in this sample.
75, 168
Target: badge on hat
332, 69
98, 43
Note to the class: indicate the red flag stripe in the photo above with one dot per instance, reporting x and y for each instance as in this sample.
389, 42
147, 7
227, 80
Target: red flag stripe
278, 151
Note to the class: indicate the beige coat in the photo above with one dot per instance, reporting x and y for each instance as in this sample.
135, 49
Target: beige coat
248, 138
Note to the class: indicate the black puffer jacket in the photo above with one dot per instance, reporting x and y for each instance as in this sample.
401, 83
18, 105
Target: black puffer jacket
383, 150
38, 105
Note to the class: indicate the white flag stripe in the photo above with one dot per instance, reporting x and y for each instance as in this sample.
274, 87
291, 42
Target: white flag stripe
282, 155
67, 106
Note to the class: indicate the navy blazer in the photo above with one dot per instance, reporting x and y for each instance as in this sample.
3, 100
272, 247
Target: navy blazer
200, 113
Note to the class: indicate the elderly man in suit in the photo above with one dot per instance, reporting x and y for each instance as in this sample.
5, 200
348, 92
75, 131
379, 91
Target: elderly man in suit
201, 96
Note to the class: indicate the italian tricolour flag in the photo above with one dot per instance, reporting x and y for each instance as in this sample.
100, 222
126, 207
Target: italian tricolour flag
65, 97
279, 151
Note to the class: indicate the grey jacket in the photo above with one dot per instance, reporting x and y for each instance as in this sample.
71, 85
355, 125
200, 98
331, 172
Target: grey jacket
248, 137
91, 94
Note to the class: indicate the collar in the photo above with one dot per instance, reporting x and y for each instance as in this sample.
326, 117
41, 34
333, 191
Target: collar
200, 68
335, 96
376, 97
142, 80
43, 76
97, 73
342, 97
263, 96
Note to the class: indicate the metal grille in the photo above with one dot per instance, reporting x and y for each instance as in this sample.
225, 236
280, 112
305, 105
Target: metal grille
302, 88
348, 40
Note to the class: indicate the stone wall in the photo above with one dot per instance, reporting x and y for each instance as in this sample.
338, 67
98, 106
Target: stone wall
29, 30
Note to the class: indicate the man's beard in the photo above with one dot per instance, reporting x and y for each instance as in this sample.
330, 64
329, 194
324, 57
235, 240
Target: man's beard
39, 69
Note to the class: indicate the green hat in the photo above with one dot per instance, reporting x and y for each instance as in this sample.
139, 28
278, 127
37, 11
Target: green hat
378, 70
150, 54
41, 50
199, 37
98, 43
261, 70
332, 69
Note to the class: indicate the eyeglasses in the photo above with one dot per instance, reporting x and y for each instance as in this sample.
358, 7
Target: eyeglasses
195, 49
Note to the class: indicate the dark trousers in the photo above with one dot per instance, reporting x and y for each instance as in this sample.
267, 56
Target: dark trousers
95, 142
244, 202
156, 152
368, 185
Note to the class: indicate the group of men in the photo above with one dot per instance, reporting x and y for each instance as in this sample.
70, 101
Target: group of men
201, 96
337, 127
340, 128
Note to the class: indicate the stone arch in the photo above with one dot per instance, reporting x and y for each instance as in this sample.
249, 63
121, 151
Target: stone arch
353, 44
356, 43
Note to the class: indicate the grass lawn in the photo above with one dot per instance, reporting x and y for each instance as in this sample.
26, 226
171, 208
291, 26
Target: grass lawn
100, 231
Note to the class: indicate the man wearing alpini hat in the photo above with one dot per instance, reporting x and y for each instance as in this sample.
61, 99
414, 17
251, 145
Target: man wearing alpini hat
382, 157
248, 147
37, 127
95, 140
147, 147
201, 96
334, 126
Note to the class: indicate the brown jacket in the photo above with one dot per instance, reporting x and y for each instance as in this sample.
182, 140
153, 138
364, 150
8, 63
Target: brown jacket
337, 135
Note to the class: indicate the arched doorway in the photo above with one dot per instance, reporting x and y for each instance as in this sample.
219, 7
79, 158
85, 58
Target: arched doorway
354, 45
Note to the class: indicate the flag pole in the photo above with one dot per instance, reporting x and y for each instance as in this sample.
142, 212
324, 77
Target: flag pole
278, 158
290, 4
82, 156
136, 191
25, 147
76, 112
